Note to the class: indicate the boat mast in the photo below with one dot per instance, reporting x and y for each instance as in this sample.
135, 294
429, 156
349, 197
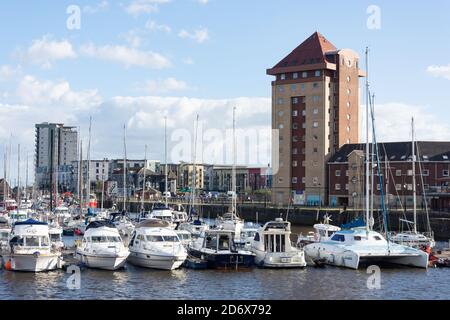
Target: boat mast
80, 182
26, 181
143, 181
124, 168
18, 175
5, 157
165, 160
103, 182
367, 144
89, 165
194, 163
413, 158
233, 180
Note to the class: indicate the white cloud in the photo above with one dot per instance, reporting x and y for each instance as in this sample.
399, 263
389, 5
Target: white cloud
101, 6
164, 86
137, 7
126, 56
393, 123
439, 71
200, 35
202, 1
153, 26
133, 38
188, 61
8, 72
46, 50
34, 92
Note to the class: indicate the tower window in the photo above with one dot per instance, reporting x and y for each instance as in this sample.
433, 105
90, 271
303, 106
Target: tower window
317, 73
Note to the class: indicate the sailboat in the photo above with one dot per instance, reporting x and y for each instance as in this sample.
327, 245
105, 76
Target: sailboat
413, 238
194, 224
231, 221
352, 248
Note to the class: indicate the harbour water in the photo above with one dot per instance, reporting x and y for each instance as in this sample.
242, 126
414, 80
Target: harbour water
259, 284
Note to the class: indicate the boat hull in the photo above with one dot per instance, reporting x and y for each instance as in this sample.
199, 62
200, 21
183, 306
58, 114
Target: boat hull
111, 262
229, 260
154, 261
33, 263
280, 260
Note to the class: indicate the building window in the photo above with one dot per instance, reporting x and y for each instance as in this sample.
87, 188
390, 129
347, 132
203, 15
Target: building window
337, 186
293, 87
280, 101
398, 187
346, 187
294, 164
349, 116
294, 151
283, 76
294, 126
295, 75
348, 128
317, 73
304, 125
348, 79
398, 173
280, 180
303, 151
280, 113
426, 187
294, 180
303, 180
349, 104
315, 150
294, 113
338, 173
304, 113
315, 85
315, 181
316, 111
426, 172
302, 86
280, 89
316, 98
294, 139
410, 173
304, 74
295, 100
303, 164
410, 187
281, 126
315, 124
349, 92
445, 173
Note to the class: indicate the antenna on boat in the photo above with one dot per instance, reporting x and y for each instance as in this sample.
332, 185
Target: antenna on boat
124, 167
367, 143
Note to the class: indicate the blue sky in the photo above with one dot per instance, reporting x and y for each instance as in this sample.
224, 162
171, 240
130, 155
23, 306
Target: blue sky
204, 55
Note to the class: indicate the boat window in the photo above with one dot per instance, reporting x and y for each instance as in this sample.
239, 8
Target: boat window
224, 243
377, 238
323, 233
211, 242
55, 237
155, 238
4, 235
45, 241
113, 239
357, 238
338, 237
32, 241
98, 239
171, 239
256, 237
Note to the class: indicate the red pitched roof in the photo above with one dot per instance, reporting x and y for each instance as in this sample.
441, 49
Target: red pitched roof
311, 51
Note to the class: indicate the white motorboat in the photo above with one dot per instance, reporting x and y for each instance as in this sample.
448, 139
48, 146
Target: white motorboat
231, 222
413, 239
195, 227
18, 215
179, 214
248, 233
102, 247
155, 245
62, 213
164, 213
356, 247
185, 237
217, 248
55, 232
273, 249
5, 232
30, 248
123, 225
322, 232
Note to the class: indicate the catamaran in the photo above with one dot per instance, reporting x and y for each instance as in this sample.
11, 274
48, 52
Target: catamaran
358, 246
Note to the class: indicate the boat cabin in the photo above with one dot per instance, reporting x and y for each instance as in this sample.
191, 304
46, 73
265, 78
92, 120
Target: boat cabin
358, 236
219, 240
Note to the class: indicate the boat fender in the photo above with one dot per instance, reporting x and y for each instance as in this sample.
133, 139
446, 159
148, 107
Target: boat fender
8, 265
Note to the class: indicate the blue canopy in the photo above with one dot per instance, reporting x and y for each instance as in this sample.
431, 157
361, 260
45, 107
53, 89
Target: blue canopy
358, 222
30, 222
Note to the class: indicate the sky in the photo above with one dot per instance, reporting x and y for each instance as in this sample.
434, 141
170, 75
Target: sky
134, 62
